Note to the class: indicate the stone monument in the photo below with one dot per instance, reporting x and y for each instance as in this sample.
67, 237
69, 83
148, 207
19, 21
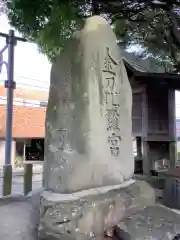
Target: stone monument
88, 124
88, 191
89, 163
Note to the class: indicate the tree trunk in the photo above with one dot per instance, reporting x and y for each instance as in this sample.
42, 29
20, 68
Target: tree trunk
95, 9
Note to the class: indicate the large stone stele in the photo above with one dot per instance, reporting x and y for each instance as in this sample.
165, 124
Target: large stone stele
88, 148
88, 124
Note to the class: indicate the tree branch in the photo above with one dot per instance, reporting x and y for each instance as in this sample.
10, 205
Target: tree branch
95, 7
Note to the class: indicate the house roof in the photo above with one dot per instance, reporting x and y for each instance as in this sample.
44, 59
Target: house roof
28, 122
146, 71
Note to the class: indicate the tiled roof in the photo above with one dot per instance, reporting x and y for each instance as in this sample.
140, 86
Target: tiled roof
28, 122
140, 64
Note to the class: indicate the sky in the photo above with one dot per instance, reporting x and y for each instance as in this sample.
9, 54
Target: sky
32, 68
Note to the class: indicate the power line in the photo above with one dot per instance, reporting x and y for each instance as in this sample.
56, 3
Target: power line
23, 102
31, 85
37, 80
34, 79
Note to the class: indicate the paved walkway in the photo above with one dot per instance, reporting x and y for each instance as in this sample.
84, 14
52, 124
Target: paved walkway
18, 219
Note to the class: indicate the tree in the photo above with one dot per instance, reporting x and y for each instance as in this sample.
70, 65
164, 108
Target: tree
151, 23
156, 33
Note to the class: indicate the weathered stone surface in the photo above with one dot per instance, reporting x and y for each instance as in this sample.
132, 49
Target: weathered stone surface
154, 222
34, 197
88, 124
18, 219
89, 216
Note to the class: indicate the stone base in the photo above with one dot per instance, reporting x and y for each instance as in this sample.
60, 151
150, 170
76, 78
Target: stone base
89, 214
19, 219
154, 222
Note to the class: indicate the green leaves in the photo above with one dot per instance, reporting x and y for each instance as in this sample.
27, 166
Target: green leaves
152, 24
154, 34
50, 23
57, 30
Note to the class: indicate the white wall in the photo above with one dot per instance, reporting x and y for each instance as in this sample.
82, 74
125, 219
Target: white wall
177, 96
178, 146
2, 152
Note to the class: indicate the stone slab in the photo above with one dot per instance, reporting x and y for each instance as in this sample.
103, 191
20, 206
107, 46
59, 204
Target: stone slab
152, 223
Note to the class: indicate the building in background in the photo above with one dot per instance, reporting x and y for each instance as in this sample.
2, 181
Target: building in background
29, 110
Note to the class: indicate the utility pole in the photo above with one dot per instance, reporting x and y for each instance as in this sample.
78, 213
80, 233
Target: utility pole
10, 84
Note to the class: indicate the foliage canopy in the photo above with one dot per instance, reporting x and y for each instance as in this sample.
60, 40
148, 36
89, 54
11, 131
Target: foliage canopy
154, 24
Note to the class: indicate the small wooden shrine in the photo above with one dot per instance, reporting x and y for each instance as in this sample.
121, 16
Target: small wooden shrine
153, 115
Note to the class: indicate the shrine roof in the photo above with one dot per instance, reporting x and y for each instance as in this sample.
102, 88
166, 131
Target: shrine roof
139, 64
147, 71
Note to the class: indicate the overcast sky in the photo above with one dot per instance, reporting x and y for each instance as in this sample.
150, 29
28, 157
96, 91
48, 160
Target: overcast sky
32, 68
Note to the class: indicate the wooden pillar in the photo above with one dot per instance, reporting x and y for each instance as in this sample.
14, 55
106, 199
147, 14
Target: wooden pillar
172, 154
172, 128
139, 147
24, 151
145, 148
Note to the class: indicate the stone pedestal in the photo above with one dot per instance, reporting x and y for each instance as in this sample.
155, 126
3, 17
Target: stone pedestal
88, 214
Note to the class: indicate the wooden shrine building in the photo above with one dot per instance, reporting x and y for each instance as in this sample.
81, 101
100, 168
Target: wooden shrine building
153, 113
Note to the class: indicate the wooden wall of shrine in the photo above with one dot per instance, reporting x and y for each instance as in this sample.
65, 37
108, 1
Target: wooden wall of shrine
153, 124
